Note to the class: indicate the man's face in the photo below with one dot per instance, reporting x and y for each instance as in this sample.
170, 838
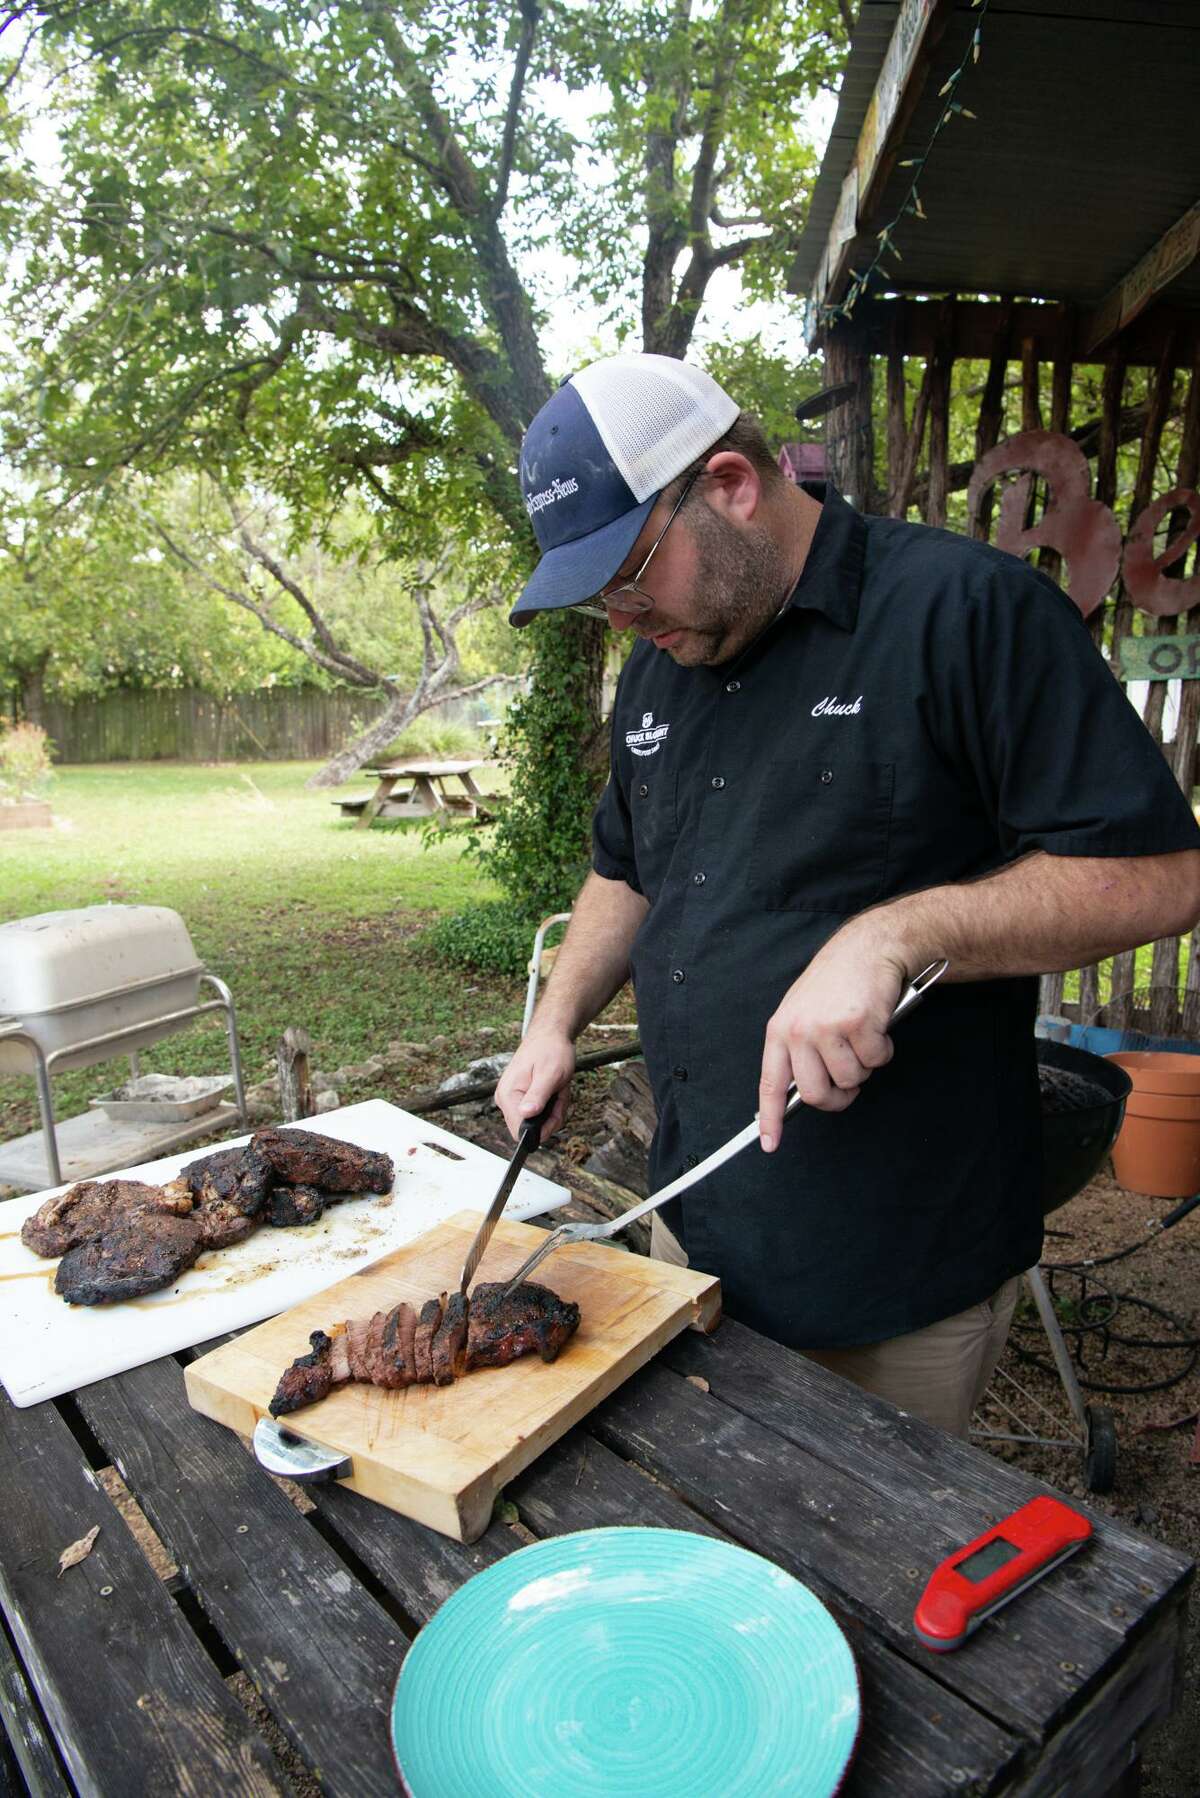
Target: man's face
715, 584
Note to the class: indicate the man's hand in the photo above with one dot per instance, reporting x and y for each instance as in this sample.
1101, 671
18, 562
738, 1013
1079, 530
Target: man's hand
830, 1031
542, 1065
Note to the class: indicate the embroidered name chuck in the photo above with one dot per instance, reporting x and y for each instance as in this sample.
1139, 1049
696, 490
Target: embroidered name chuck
833, 707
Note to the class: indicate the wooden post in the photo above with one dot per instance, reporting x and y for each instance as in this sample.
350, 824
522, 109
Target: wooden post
939, 419
897, 419
295, 1086
991, 419
849, 430
1050, 560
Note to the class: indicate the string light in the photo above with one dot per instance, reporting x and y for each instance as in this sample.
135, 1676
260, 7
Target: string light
885, 245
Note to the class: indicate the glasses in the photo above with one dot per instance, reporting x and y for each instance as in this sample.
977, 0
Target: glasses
630, 596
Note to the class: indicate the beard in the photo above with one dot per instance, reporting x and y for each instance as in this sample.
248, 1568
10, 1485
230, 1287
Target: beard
741, 581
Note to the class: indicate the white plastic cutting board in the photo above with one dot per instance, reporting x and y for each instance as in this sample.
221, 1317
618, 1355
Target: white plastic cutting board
48, 1346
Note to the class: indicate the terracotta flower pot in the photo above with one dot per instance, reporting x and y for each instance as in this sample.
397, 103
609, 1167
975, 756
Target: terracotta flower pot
1158, 1148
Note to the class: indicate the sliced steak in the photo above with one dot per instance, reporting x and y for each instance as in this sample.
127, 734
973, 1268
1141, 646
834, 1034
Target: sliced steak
87, 1209
534, 1321
356, 1345
288, 1205
139, 1252
376, 1362
427, 1323
240, 1178
449, 1343
308, 1379
302, 1158
339, 1358
396, 1370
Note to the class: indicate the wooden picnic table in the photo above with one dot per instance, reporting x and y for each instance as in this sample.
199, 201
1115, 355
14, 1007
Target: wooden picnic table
113, 1681
426, 792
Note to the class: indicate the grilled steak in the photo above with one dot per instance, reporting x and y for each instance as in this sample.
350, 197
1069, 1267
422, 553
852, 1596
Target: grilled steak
140, 1251
236, 1178
427, 1323
306, 1380
287, 1205
396, 1348
398, 1338
533, 1321
302, 1158
450, 1340
86, 1210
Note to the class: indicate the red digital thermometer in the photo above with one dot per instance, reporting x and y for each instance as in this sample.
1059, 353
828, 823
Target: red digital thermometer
976, 1580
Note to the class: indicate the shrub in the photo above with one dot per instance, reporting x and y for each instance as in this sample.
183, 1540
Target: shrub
25, 771
431, 740
492, 937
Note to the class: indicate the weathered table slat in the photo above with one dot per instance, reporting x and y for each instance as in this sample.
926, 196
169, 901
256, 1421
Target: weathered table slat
917, 1731
29, 1740
866, 1556
321, 1650
959, 1490
134, 1702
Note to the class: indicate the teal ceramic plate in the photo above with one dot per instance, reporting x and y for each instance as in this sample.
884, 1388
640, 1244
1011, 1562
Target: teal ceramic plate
618, 1662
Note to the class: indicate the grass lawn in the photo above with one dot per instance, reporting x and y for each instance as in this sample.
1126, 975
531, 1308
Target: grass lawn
309, 920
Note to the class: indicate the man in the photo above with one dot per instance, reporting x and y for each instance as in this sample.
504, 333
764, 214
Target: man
843, 747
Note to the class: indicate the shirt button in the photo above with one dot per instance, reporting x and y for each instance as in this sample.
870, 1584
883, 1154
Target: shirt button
697, 880
826, 776
679, 976
679, 1073
718, 781
643, 790
733, 686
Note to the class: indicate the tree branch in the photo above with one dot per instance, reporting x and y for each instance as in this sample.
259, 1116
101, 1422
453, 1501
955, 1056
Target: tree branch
530, 14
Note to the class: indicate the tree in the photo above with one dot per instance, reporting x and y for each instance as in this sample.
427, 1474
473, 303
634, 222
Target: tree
309, 245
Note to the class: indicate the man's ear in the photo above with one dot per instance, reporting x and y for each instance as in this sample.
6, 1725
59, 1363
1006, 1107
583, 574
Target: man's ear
732, 487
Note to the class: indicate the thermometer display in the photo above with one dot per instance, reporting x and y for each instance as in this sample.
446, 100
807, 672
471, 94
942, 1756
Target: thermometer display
976, 1580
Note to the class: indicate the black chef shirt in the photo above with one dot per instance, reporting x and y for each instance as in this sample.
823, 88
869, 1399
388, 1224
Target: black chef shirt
924, 709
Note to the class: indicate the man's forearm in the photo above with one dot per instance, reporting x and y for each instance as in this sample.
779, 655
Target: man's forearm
593, 962
1040, 915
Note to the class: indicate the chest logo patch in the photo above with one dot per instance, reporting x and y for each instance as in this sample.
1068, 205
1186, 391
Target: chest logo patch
650, 739
833, 707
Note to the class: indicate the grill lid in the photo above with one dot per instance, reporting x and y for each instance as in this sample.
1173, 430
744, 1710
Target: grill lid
60, 959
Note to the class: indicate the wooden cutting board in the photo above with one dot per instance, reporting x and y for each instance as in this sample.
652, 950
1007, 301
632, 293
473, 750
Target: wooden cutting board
440, 1454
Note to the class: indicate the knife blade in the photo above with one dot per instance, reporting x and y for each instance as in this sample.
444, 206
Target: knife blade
527, 1142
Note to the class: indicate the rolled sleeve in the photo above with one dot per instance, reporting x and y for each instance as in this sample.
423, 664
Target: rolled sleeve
1062, 761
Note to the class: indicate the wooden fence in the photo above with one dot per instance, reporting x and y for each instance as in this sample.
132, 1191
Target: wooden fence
277, 724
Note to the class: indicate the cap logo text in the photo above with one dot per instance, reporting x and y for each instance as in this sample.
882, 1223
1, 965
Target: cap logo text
536, 502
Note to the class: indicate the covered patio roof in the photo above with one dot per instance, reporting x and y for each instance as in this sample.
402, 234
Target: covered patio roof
1077, 180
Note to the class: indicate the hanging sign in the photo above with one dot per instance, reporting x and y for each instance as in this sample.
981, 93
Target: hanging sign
1160, 658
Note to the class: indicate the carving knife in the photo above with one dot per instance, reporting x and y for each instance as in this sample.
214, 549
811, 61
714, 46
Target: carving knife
526, 1143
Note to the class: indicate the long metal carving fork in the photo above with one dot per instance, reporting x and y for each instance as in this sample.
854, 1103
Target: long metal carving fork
568, 1233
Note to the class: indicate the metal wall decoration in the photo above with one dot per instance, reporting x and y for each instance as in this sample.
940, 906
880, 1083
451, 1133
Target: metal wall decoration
1084, 530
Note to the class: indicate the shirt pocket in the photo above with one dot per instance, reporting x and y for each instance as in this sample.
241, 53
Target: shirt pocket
655, 826
822, 834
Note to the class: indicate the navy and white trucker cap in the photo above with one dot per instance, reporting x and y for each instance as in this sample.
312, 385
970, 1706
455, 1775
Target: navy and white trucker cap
596, 458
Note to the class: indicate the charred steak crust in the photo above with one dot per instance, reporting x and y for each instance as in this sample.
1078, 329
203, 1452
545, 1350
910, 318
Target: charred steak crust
87, 1209
138, 1253
396, 1348
396, 1370
303, 1158
533, 1321
288, 1205
240, 1178
446, 1352
427, 1323
307, 1380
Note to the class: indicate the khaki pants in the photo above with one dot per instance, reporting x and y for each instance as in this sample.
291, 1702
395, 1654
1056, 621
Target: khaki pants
939, 1373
